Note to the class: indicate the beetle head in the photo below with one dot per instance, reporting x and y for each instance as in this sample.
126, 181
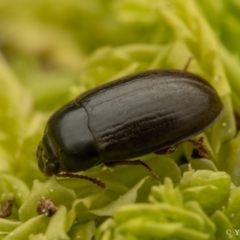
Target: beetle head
48, 159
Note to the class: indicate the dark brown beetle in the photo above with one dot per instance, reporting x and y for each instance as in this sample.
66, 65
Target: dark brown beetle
151, 111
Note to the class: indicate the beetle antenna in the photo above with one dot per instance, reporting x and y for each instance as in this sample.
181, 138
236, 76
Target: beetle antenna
188, 63
93, 180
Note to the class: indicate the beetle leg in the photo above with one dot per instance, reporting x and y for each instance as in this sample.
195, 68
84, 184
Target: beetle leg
72, 175
132, 162
167, 150
199, 151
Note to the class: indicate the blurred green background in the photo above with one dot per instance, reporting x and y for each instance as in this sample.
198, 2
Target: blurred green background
51, 51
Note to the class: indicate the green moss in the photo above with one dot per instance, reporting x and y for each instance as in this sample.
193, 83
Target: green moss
51, 51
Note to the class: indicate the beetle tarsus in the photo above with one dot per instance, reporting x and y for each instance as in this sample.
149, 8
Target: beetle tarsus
132, 162
93, 180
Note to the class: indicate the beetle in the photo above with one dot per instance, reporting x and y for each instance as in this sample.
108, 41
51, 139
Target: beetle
151, 111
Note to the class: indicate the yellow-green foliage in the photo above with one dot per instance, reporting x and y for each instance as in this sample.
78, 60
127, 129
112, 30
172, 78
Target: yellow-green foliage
53, 50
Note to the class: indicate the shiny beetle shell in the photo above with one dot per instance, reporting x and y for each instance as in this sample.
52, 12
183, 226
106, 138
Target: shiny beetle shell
127, 118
